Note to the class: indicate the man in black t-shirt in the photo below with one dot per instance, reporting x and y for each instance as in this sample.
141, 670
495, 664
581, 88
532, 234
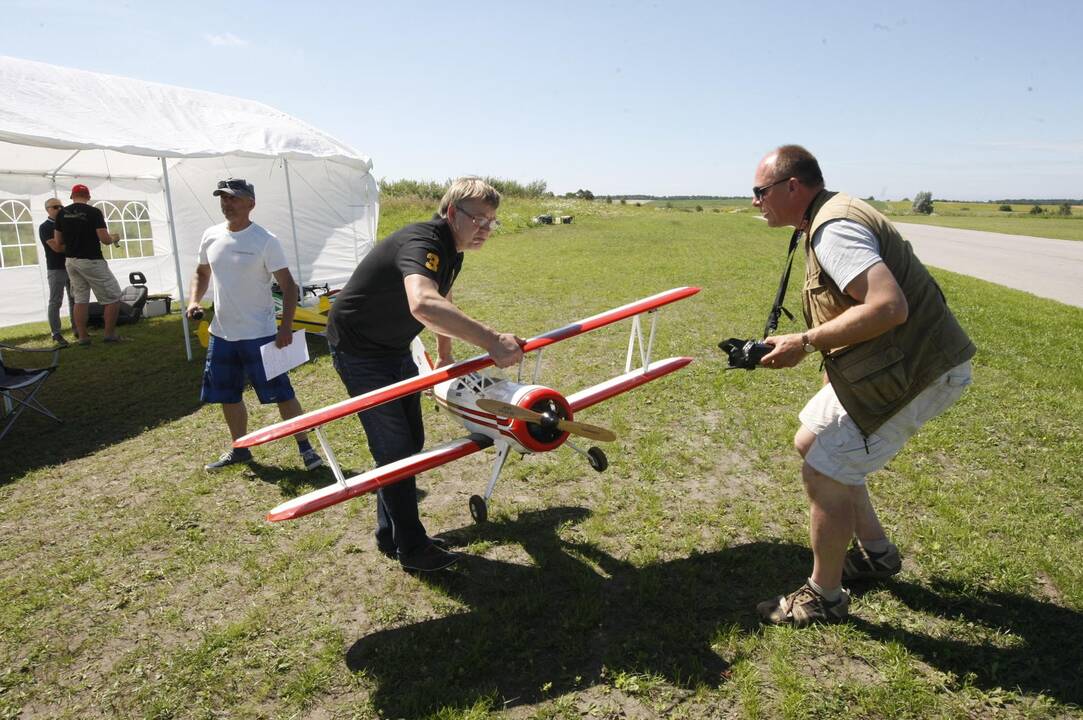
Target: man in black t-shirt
57, 273
400, 288
80, 232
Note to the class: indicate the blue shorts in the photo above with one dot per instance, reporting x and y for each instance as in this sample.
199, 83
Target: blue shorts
228, 361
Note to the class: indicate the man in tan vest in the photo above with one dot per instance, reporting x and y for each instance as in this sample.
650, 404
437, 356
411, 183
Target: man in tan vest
894, 355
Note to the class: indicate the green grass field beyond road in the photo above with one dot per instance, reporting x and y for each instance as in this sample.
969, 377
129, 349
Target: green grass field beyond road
136, 585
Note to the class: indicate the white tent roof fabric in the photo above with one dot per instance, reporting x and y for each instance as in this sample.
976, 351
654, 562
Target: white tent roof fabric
59, 126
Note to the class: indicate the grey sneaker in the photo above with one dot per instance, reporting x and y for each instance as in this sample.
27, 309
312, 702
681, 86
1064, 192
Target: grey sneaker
233, 456
803, 607
860, 564
311, 459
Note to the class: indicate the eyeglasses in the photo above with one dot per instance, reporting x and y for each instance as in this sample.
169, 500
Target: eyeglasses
53, 207
482, 223
760, 192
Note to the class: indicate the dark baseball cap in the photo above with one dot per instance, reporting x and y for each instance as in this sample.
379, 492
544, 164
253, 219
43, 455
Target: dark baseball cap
237, 187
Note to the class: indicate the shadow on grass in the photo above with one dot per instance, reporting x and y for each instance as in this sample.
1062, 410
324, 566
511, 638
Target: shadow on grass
294, 480
1048, 660
105, 394
575, 615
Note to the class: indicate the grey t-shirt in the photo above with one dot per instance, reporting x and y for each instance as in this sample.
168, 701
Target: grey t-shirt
845, 249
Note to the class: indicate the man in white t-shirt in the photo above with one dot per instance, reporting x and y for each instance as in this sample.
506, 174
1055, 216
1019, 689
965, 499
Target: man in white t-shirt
241, 258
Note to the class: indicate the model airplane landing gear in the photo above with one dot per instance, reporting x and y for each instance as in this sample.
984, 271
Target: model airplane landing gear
597, 459
478, 509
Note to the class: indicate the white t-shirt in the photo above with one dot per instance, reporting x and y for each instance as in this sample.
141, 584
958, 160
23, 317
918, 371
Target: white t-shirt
241, 266
845, 249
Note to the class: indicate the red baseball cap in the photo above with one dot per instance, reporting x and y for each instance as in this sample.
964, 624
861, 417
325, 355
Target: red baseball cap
80, 190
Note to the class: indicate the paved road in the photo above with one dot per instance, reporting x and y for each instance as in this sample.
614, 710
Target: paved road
1047, 268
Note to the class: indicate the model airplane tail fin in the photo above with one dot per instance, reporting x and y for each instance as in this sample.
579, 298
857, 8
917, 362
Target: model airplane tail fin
421, 356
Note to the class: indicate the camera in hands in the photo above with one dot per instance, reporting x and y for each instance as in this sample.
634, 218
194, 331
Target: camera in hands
744, 354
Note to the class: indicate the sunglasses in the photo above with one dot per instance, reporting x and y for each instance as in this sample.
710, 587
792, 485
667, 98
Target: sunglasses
235, 184
53, 207
761, 191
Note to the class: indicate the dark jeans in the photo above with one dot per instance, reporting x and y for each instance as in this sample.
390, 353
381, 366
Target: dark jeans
394, 431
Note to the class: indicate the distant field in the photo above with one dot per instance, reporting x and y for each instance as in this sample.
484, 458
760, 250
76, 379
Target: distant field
969, 216
706, 204
987, 216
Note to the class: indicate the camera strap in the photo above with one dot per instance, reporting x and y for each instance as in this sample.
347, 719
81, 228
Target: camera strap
780, 296
777, 309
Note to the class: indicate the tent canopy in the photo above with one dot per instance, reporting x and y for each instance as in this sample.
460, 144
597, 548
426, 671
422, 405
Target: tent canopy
129, 139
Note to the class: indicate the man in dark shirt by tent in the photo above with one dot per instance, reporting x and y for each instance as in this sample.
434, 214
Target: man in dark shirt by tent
80, 233
57, 273
400, 288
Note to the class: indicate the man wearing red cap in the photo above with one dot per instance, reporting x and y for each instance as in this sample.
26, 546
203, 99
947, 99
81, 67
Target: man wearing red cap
80, 233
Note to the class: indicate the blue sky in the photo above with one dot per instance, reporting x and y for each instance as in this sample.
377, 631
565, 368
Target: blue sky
970, 100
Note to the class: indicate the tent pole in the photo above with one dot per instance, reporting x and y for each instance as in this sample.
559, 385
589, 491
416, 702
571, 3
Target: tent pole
61, 167
293, 227
176, 261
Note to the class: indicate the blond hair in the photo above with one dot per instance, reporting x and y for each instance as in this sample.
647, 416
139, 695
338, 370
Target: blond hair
469, 188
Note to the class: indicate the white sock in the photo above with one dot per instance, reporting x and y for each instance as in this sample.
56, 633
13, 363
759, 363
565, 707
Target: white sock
828, 595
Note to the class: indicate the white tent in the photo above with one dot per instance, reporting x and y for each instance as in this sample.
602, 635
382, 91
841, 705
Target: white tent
154, 153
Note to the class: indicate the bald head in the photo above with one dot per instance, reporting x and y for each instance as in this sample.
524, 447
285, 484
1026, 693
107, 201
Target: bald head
797, 162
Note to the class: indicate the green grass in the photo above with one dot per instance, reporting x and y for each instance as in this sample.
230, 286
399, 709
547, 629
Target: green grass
136, 585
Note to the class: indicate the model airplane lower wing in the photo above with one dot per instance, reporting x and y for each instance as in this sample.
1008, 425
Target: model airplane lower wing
375, 479
315, 418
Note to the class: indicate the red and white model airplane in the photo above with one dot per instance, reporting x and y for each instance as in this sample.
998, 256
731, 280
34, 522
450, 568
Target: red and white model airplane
510, 415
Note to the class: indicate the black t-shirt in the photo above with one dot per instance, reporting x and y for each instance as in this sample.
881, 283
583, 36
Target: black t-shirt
371, 315
53, 259
79, 224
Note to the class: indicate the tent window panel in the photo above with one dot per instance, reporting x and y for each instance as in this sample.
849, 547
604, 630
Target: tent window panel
130, 220
18, 238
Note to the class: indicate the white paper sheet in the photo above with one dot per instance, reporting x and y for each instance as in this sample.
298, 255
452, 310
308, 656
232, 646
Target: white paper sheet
279, 360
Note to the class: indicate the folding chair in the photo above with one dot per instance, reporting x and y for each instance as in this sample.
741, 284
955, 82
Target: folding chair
18, 386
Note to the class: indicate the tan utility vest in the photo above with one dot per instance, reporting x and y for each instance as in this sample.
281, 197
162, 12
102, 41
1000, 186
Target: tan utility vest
876, 378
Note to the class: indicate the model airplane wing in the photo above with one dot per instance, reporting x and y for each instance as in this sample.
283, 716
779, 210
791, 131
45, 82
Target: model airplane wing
375, 479
623, 383
315, 418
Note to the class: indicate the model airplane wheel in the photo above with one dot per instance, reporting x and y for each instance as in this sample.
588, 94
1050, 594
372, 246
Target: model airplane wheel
478, 509
598, 460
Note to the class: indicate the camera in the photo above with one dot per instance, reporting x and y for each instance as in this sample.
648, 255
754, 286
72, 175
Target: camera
744, 353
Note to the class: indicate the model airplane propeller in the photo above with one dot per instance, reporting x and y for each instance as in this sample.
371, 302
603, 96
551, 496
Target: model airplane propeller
548, 420
496, 411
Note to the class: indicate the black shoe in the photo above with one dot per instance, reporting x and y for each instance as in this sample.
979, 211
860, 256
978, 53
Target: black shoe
429, 558
233, 457
60, 342
393, 554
